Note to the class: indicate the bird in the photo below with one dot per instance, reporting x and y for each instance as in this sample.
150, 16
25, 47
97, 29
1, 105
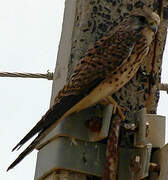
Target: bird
106, 67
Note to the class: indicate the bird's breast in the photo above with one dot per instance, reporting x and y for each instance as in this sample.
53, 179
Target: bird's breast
117, 80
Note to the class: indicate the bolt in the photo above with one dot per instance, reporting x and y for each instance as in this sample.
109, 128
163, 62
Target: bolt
147, 129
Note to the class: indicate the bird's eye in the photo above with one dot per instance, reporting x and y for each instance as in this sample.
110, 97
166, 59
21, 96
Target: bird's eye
142, 19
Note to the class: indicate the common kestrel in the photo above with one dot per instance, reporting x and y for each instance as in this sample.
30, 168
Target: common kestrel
107, 66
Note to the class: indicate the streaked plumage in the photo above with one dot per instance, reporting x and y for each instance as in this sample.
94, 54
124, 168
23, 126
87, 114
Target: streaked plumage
105, 68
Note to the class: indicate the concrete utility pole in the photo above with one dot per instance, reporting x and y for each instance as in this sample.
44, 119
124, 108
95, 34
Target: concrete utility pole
86, 21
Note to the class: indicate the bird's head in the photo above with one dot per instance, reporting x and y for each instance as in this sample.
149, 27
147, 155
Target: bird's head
145, 18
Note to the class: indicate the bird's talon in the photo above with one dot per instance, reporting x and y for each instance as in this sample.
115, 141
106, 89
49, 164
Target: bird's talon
114, 109
116, 106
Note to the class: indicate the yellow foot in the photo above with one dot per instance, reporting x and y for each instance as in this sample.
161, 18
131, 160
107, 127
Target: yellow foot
116, 106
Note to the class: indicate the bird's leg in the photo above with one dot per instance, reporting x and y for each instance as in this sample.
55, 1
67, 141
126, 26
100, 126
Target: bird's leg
116, 106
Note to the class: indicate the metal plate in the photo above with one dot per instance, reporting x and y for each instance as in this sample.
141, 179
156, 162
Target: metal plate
84, 157
75, 127
160, 157
134, 163
157, 130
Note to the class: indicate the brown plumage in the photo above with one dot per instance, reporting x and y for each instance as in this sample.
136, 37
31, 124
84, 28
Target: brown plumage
106, 67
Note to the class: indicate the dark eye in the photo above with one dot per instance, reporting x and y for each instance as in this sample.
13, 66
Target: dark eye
142, 19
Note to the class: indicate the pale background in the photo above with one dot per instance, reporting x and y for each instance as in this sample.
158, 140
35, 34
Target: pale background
29, 37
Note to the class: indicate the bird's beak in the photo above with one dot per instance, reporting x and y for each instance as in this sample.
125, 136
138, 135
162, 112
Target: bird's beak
154, 27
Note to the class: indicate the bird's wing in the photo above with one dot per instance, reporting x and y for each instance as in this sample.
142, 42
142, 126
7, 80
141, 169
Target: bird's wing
104, 58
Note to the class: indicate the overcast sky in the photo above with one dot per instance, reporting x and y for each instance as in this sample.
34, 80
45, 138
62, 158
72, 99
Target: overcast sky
29, 37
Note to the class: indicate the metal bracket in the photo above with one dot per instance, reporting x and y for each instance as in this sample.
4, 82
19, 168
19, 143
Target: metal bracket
84, 157
89, 157
148, 128
157, 130
91, 124
134, 162
140, 139
135, 156
160, 157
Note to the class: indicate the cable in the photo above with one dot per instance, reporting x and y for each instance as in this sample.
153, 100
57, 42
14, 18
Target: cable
48, 76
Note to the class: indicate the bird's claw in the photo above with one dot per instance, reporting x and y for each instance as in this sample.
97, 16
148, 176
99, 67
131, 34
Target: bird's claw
116, 107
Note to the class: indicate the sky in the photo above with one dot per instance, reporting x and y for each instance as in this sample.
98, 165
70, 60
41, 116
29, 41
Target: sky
29, 38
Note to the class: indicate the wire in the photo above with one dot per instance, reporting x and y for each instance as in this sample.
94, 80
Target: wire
48, 75
163, 87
